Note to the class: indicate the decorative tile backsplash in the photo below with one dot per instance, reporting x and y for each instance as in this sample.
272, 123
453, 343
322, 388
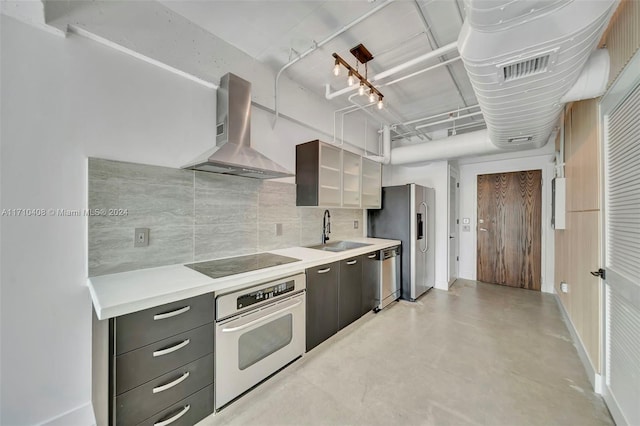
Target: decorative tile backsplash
196, 216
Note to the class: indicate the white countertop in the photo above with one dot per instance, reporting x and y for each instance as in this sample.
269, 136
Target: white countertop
127, 292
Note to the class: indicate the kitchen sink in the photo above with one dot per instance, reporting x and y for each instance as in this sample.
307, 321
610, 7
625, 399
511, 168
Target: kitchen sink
339, 246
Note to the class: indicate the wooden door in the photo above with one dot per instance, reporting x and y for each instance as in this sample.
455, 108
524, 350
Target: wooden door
509, 229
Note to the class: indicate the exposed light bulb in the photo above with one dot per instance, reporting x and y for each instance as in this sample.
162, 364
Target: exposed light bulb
336, 69
380, 104
372, 97
361, 89
350, 80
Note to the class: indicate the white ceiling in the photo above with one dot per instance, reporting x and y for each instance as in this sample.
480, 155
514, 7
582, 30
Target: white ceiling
274, 32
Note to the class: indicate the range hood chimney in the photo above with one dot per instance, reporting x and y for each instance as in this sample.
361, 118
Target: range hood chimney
233, 154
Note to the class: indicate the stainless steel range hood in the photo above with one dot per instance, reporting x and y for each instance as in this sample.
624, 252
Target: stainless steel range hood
233, 154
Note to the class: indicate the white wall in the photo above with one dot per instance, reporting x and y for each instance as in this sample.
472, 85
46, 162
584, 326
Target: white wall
62, 101
433, 175
469, 206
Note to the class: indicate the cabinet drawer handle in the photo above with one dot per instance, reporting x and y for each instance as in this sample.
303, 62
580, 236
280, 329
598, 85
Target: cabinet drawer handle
169, 385
371, 256
174, 418
352, 262
172, 348
171, 314
324, 271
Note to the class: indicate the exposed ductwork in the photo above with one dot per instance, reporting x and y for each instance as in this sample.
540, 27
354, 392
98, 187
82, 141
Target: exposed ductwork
522, 75
593, 78
524, 59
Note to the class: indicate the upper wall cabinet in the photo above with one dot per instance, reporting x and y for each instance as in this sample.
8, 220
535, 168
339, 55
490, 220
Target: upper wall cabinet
327, 176
371, 184
351, 168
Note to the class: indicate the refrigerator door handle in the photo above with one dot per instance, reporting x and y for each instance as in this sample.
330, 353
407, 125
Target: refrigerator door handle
425, 230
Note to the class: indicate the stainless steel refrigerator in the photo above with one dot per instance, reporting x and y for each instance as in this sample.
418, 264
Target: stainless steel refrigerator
408, 215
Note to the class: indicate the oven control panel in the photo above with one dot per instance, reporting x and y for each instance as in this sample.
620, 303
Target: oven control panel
264, 293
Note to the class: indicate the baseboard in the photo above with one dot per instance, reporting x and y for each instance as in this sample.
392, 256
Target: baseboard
442, 285
81, 416
594, 378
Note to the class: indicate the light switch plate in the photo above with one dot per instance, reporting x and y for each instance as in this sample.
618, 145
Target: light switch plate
141, 237
355, 224
466, 220
278, 229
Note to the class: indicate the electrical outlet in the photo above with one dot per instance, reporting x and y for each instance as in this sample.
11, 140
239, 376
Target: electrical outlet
355, 224
564, 287
466, 228
141, 237
278, 229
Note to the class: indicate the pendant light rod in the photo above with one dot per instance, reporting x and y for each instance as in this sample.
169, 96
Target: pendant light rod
359, 76
319, 45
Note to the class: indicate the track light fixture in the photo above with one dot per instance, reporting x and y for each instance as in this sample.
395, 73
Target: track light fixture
363, 56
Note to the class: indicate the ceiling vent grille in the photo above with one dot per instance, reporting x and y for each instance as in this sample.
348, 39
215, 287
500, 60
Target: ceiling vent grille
526, 68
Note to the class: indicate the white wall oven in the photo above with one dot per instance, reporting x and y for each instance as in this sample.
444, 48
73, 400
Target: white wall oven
258, 331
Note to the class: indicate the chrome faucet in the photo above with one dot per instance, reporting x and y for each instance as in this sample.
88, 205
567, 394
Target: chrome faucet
326, 226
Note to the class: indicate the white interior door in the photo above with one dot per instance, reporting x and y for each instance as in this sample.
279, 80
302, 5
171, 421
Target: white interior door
453, 228
621, 327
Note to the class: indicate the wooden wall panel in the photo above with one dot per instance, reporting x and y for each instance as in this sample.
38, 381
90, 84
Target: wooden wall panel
623, 36
578, 248
583, 156
589, 260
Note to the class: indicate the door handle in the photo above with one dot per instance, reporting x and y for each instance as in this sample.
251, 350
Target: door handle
169, 385
166, 315
352, 262
599, 273
371, 256
172, 348
323, 271
425, 232
483, 229
261, 319
174, 418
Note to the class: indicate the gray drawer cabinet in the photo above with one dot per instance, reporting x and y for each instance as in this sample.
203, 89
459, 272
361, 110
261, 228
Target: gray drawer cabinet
141, 328
187, 412
144, 401
322, 303
334, 298
161, 363
370, 280
350, 291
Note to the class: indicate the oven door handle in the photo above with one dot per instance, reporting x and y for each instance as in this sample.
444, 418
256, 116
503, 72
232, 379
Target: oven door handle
261, 319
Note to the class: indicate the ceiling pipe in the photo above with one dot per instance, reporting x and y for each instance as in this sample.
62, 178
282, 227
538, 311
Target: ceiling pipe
473, 114
385, 158
319, 45
443, 114
430, 55
466, 144
432, 67
427, 56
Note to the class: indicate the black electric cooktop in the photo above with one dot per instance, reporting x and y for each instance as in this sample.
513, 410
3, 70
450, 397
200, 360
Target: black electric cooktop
237, 265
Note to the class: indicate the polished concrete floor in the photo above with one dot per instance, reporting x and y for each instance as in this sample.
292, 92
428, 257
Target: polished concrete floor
479, 354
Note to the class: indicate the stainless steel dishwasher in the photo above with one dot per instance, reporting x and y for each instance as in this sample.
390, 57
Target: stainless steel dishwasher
388, 288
